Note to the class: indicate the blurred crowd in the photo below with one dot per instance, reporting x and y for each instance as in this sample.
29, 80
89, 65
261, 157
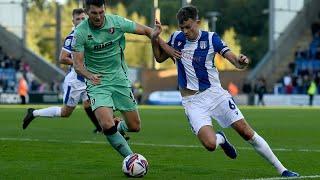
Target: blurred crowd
304, 72
12, 70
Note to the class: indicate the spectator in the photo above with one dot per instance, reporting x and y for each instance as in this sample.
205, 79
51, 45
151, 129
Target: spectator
247, 89
233, 89
137, 92
312, 89
261, 89
23, 89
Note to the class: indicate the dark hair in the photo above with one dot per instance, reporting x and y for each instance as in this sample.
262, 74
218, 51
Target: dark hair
77, 11
187, 12
98, 3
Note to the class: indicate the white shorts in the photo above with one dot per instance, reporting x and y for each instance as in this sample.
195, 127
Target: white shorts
74, 92
210, 104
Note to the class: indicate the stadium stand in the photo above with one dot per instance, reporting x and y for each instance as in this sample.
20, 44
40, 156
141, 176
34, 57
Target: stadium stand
304, 69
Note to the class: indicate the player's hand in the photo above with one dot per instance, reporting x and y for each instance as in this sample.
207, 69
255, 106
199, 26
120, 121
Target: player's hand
243, 61
95, 79
156, 30
173, 53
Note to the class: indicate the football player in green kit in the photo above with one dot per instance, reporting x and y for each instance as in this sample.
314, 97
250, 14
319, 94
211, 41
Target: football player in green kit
98, 50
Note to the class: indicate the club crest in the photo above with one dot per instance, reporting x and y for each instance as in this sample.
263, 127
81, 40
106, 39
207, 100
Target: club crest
203, 44
111, 30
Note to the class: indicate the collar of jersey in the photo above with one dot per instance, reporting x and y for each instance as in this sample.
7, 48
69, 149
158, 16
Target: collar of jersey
199, 35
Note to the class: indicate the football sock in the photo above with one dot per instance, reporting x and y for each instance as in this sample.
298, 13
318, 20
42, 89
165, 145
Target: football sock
117, 141
122, 126
262, 147
93, 118
48, 112
219, 140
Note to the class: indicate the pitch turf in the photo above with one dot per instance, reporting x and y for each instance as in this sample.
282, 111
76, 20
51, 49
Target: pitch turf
67, 148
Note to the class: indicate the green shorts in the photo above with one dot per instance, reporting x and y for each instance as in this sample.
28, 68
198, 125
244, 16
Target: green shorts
116, 97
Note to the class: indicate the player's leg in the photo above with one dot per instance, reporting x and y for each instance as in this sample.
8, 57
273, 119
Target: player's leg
261, 146
50, 112
124, 101
197, 110
90, 114
117, 141
103, 105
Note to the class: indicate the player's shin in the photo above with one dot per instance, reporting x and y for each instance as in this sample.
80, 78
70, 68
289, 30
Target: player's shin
48, 112
262, 147
117, 141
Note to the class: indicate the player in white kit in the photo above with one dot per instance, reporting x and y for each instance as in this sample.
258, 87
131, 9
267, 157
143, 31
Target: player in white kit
74, 85
203, 98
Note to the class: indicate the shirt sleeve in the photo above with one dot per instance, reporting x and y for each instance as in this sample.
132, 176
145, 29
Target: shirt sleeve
219, 45
78, 41
170, 40
126, 25
67, 44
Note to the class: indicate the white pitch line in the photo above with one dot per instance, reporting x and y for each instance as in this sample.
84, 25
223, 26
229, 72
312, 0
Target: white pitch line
146, 144
279, 178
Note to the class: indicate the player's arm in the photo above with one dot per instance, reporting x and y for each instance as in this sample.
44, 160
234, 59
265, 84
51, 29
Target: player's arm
129, 26
65, 57
160, 54
239, 62
80, 68
77, 44
220, 47
162, 50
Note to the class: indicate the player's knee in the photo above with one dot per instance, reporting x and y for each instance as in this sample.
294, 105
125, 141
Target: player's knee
135, 128
210, 146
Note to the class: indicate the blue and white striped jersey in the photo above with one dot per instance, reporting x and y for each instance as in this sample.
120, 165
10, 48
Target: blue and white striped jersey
72, 75
196, 69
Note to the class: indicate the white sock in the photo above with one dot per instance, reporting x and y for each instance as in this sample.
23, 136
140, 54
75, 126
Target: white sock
220, 140
262, 147
48, 112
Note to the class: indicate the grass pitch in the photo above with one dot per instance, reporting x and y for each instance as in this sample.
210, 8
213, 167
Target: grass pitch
67, 149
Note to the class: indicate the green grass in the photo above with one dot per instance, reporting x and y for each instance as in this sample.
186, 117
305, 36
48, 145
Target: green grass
67, 148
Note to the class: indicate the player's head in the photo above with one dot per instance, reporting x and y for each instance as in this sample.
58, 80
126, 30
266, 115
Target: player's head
188, 21
78, 15
95, 10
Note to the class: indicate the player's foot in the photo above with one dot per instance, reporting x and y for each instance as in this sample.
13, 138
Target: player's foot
28, 118
116, 122
288, 173
227, 147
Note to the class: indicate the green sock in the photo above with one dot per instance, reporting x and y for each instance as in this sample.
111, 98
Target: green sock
119, 143
122, 126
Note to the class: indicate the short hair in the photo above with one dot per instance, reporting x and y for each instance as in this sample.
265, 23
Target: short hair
77, 11
187, 12
98, 3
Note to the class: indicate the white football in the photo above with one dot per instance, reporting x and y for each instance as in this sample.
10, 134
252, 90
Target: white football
135, 165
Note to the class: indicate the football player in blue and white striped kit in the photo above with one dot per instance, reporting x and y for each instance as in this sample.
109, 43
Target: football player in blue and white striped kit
203, 98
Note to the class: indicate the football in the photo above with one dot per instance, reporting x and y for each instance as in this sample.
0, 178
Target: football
135, 165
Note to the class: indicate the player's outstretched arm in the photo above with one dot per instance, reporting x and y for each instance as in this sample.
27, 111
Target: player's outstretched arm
164, 47
239, 62
80, 68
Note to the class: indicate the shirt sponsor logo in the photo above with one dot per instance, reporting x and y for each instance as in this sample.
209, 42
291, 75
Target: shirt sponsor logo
99, 47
